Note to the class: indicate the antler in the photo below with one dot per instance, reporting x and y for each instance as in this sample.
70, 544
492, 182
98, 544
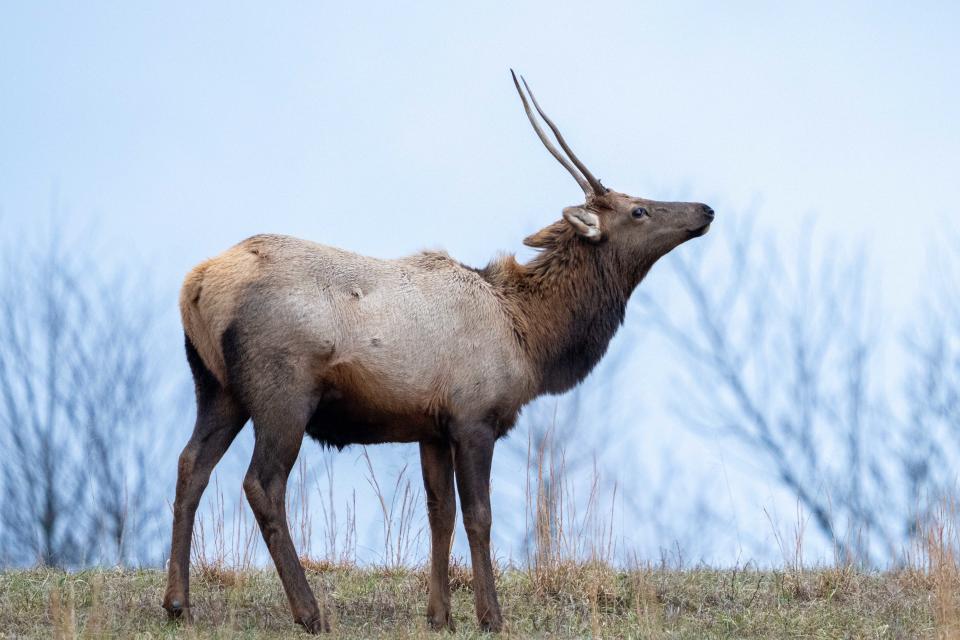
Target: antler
586, 180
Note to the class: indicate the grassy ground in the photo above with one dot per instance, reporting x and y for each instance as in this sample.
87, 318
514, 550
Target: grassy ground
572, 602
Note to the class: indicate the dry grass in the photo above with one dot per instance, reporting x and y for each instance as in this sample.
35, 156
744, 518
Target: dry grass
593, 601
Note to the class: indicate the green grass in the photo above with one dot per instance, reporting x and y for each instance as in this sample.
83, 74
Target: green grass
570, 602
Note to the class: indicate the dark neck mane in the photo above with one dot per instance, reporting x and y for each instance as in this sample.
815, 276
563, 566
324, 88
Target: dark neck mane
566, 303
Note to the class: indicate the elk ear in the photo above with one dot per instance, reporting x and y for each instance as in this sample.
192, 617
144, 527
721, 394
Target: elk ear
584, 221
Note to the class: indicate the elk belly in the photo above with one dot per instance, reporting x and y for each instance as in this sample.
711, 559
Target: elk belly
353, 408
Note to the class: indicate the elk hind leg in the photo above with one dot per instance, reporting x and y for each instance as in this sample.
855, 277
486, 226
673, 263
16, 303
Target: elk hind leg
279, 434
219, 419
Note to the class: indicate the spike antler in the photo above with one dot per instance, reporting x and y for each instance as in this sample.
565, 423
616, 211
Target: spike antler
586, 180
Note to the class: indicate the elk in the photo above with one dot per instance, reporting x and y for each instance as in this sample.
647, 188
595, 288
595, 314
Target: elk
305, 338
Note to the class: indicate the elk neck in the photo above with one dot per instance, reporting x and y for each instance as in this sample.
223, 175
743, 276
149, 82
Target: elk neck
566, 304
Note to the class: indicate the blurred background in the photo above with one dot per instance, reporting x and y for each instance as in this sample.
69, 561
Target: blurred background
795, 374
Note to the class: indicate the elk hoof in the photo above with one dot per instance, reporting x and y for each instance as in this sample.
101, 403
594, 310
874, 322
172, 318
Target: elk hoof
492, 625
177, 611
441, 621
316, 624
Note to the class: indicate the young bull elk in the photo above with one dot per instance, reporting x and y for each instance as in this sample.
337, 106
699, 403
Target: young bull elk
304, 338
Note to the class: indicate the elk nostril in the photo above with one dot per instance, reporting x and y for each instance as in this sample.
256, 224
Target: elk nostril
707, 211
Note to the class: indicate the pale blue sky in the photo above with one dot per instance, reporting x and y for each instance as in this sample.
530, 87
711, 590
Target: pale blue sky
179, 129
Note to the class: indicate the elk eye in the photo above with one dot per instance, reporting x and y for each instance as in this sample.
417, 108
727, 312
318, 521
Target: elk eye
639, 212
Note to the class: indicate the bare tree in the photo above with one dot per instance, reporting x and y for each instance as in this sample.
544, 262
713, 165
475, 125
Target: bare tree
931, 442
76, 394
779, 359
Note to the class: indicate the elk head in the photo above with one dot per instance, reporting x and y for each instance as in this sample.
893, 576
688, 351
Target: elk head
636, 230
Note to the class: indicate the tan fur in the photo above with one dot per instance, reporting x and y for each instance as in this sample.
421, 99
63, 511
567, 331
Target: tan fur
423, 329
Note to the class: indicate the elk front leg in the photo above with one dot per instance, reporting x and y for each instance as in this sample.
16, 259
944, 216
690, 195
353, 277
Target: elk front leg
473, 455
277, 445
436, 460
